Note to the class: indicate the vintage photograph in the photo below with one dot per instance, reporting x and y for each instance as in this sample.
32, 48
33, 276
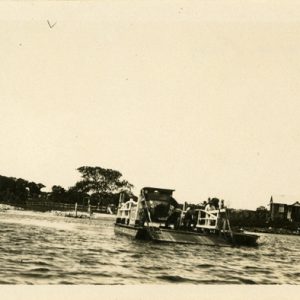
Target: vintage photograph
150, 143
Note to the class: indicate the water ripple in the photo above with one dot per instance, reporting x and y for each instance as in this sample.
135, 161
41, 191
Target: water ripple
40, 248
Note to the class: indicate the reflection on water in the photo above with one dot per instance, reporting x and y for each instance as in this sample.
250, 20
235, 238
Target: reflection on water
40, 248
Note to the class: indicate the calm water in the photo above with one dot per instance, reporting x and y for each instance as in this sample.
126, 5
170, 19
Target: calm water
40, 248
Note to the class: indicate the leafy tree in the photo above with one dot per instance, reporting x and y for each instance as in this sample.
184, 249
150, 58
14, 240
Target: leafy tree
103, 185
20, 189
35, 188
100, 180
58, 193
57, 190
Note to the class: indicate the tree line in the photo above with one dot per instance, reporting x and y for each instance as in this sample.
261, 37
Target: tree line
97, 186
18, 190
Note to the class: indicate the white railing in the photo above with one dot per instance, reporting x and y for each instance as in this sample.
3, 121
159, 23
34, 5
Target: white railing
127, 212
209, 219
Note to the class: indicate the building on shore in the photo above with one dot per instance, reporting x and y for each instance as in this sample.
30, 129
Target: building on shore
285, 208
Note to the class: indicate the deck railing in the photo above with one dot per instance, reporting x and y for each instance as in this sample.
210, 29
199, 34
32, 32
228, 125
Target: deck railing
127, 212
210, 219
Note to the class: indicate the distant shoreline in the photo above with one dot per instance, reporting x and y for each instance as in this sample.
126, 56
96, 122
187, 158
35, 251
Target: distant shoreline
277, 231
60, 207
64, 213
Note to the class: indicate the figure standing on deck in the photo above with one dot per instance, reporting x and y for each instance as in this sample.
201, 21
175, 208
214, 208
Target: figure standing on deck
174, 218
209, 207
190, 218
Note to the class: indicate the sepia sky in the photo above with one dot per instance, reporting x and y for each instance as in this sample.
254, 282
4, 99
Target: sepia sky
199, 96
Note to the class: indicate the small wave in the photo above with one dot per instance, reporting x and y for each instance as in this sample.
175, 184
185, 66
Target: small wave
154, 268
36, 275
122, 251
5, 282
87, 262
42, 263
247, 281
205, 266
137, 255
66, 282
254, 269
33, 262
218, 281
101, 274
175, 278
293, 275
40, 270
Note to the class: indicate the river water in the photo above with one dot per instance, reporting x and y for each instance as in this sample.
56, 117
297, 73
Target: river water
41, 248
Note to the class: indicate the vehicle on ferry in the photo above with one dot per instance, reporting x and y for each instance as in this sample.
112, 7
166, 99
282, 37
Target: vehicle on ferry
158, 217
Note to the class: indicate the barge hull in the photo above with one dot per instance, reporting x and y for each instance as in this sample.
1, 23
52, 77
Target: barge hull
127, 230
185, 237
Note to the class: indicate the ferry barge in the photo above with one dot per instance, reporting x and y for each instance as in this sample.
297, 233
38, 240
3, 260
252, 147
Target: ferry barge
157, 216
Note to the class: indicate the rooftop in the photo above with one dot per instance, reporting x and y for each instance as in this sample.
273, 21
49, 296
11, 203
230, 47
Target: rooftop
285, 199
